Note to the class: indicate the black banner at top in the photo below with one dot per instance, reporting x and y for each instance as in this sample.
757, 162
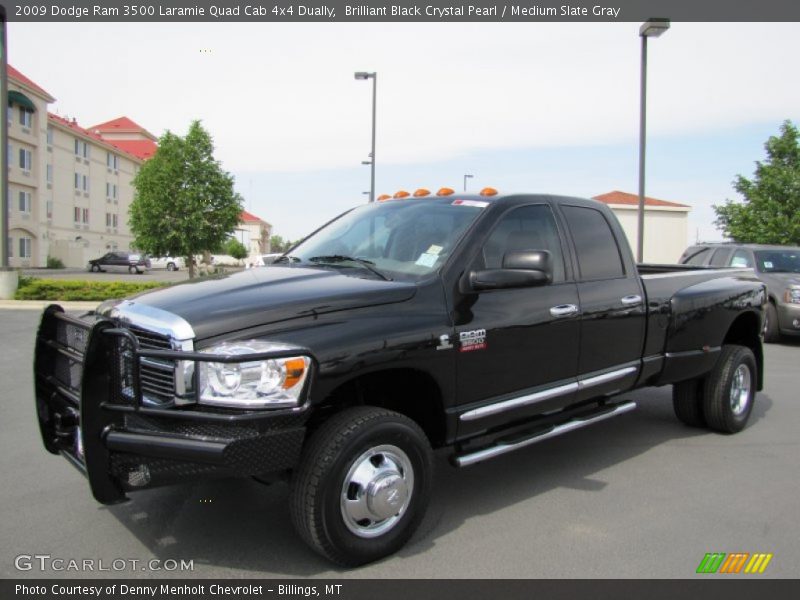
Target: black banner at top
417, 11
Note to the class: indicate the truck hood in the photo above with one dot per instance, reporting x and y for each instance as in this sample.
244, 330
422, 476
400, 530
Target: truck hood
260, 296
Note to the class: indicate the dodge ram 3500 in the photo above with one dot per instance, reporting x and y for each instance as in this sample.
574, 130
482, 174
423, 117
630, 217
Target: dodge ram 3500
482, 324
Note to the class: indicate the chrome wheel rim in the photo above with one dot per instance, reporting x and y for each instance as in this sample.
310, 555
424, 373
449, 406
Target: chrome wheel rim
740, 389
377, 491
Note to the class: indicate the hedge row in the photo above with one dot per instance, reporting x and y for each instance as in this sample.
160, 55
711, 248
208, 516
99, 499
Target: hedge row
31, 288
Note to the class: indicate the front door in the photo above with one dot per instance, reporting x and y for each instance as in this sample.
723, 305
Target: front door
517, 349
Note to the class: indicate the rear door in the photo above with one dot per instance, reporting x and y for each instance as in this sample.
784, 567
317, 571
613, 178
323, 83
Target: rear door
612, 322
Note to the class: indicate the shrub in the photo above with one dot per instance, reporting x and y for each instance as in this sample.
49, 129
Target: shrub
65, 289
54, 263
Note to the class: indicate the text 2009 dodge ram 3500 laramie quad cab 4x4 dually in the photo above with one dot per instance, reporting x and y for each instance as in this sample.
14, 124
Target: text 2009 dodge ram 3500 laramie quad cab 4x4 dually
479, 323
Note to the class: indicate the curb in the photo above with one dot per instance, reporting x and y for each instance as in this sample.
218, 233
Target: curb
39, 305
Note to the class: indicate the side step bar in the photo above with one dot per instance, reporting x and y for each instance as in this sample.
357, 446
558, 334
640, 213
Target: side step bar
502, 447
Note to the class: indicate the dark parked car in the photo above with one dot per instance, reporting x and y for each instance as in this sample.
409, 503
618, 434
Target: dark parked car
120, 262
480, 324
777, 266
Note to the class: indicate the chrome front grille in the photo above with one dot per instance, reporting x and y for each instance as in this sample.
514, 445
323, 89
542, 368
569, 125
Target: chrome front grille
156, 376
154, 329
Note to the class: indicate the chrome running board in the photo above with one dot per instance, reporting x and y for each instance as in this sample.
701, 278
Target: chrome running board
502, 447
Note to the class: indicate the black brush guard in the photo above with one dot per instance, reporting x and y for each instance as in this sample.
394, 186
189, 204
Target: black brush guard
90, 410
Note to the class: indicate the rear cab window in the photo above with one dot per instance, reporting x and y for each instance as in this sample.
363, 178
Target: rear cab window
596, 245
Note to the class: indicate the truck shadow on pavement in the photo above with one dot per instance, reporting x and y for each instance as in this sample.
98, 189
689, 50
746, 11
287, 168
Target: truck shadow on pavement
240, 527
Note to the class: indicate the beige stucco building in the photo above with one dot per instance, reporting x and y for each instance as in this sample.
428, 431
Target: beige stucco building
666, 225
70, 187
254, 233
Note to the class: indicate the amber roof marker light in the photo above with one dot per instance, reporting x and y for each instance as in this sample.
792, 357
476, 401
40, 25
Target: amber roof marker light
445, 191
488, 191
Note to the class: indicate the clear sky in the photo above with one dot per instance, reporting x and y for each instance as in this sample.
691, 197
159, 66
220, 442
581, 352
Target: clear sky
522, 107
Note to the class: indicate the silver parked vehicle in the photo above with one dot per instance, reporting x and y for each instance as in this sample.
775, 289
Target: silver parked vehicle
777, 266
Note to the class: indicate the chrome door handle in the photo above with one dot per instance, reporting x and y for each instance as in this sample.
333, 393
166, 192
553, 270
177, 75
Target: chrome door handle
563, 310
633, 300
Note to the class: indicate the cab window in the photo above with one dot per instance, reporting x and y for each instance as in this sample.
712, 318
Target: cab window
525, 228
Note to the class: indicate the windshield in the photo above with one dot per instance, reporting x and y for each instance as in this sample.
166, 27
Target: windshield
778, 261
405, 240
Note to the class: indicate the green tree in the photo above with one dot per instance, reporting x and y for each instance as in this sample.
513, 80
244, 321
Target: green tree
278, 244
184, 202
770, 211
234, 248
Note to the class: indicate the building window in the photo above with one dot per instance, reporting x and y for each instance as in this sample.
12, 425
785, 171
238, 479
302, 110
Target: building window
77, 215
25, 202
49, 136
25, 116
108, 219
25, 247
81, 149
114, 220
25, 159
77, 181
85, 216
112, 161
49, 205
111, 190
49, 173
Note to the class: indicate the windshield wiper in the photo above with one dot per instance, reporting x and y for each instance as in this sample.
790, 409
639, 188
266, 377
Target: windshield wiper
286, 258
337, 258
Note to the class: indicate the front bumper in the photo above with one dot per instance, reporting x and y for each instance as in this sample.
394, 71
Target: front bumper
788, 318
119, 443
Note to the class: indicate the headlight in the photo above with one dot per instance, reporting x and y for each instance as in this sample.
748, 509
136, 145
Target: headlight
269, 383
792, 296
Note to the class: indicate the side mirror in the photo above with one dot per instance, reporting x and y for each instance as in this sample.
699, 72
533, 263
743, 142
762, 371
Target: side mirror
527, 268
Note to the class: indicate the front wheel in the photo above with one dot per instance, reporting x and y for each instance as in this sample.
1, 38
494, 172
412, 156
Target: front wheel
772, 332
362, 486
730, 389
95, 268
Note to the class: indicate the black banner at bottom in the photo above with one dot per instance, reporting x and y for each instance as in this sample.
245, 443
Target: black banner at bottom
724, 588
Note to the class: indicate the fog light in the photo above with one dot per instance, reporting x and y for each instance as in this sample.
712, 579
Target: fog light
139, 476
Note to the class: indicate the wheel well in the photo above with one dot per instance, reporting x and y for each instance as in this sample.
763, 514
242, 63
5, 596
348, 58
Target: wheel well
746, 331
409, 392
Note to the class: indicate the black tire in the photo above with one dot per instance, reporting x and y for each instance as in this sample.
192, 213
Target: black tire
772, 332
330, 457
687, 400
95, 268
171, 266
132, 269
726, 410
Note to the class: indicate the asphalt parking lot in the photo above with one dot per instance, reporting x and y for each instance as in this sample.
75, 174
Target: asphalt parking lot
636, 496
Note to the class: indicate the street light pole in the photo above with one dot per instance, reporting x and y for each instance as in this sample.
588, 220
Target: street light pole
650, 28
467, 176
374, 77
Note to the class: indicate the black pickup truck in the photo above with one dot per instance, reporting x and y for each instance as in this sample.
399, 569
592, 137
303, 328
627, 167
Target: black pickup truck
482, 324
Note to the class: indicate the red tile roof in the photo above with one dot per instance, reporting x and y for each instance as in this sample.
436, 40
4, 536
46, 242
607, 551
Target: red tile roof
143, 149
20, 78
617, 197
247, 217
72, 124
121, 125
